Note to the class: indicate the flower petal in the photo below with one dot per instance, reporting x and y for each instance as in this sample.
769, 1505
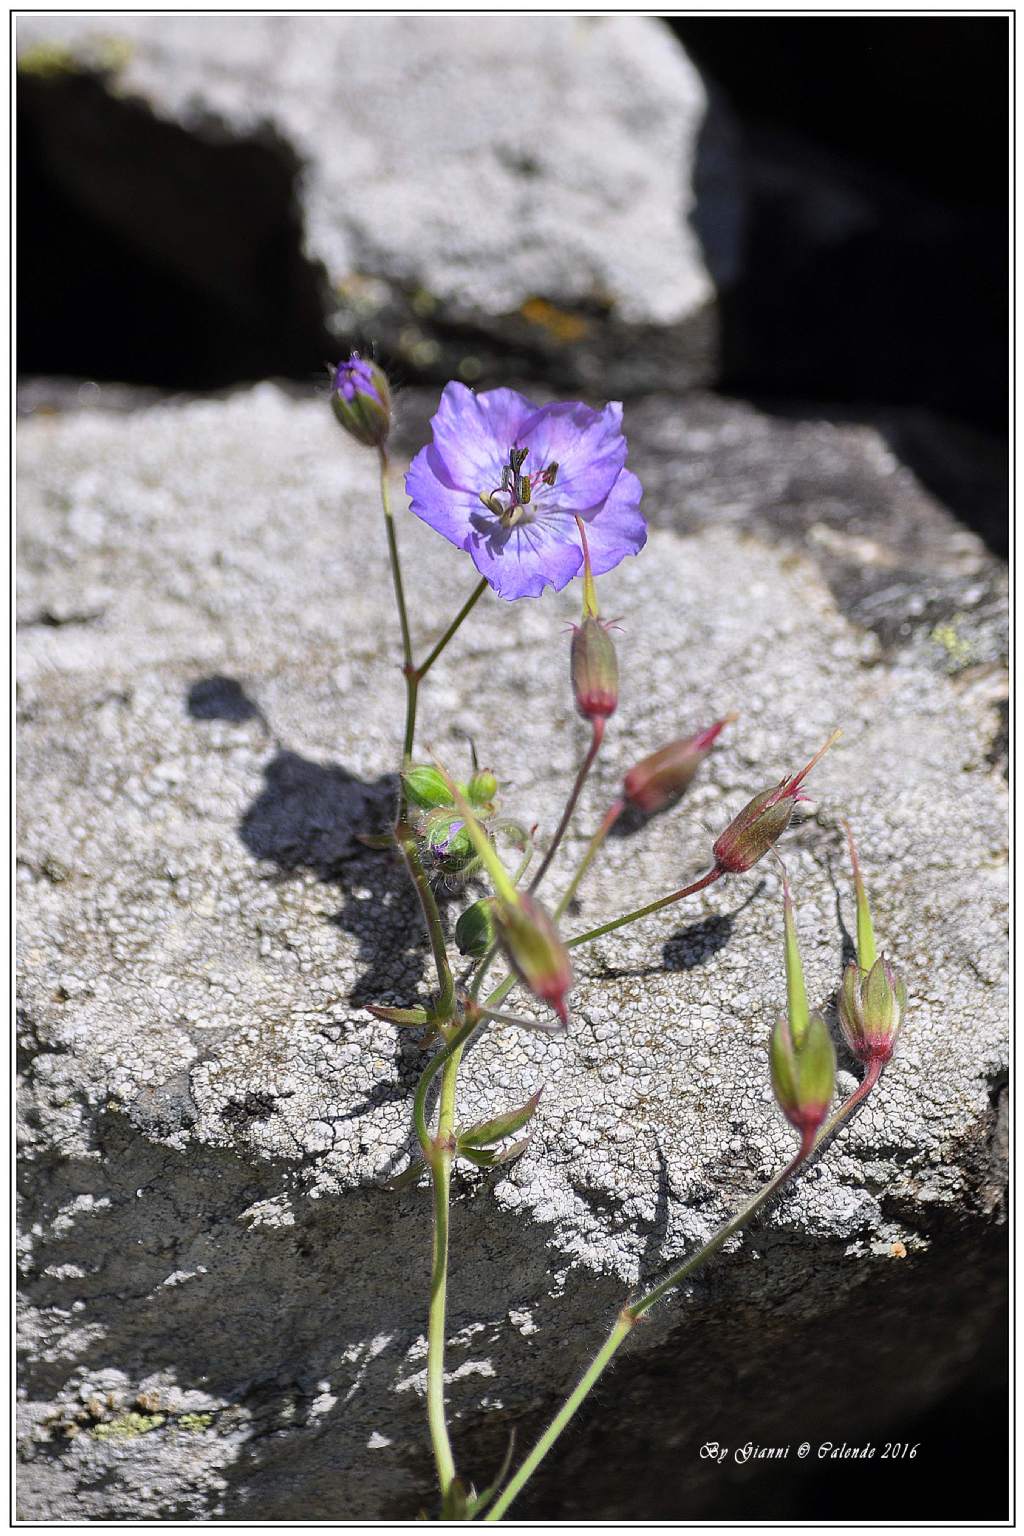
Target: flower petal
522, 561
617, 528
473, 433
588, 447
433, 498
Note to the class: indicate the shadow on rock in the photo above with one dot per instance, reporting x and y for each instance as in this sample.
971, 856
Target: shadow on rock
312, 816
222, 698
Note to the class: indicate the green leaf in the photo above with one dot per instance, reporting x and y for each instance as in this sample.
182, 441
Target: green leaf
486, 1132
411, 1017
407, 1177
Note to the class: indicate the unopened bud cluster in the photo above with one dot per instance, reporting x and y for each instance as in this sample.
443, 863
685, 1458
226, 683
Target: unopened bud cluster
437, 820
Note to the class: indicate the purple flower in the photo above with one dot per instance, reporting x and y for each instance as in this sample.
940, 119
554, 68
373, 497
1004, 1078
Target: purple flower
506, 480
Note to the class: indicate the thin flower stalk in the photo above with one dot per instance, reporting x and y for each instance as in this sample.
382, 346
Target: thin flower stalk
633, 1311
653, 906
597, 736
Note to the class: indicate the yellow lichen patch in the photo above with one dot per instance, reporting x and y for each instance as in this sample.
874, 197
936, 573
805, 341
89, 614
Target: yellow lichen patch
560, 324
45, 60
194, 1422
128, 1426
953, 643
102, 55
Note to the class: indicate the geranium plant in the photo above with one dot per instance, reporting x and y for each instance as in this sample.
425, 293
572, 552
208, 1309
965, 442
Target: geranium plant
536, 497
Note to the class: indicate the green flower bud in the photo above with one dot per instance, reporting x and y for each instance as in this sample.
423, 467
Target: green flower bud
482, 788
872, 1000
449, 842
474, 931
800, 1054
425, 788
804, 1075
361, 400
536, 952
871, 1006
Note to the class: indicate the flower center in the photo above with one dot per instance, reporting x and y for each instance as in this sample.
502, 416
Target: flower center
509, 500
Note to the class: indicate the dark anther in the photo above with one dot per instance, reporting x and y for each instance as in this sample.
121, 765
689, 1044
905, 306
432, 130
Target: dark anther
549, 474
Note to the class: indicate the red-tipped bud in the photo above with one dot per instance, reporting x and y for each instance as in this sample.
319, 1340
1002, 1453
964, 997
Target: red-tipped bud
659, 780
871, 1006
594, 669
803, 1074
533, 946
761, 823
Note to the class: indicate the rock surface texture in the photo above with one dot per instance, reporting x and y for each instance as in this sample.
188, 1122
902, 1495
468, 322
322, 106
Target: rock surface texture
530, 184
224, 1306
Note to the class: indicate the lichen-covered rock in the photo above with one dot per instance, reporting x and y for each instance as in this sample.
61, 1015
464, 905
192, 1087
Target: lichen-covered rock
530, 182
223, 1305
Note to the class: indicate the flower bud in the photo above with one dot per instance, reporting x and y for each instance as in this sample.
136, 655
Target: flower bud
449, 842
659, 780
871, 1007
761, 823
474, 931
594, 669
804, 1074
426, 788
800, 1054
872, 1000
482, 788
361, 400
537, 955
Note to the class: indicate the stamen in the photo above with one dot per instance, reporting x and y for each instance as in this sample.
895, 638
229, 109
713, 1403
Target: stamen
492, 503
524, 490
548, 475
516, 457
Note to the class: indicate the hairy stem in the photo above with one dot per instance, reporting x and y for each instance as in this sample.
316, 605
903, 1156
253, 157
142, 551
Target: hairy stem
438, 1153
570, 805
442, 1009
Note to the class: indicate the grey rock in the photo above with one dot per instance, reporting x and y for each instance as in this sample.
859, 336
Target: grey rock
210, 1117
524, 184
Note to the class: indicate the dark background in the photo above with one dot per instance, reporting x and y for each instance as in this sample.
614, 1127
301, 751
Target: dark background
904, 120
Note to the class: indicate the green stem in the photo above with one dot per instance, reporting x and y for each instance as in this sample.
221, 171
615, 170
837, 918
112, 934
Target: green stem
623, 1327
463, 613
441, 1176
396, 569
654, 906
570, 805
611, 817
632, 1312
442, 1009
438, 1152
